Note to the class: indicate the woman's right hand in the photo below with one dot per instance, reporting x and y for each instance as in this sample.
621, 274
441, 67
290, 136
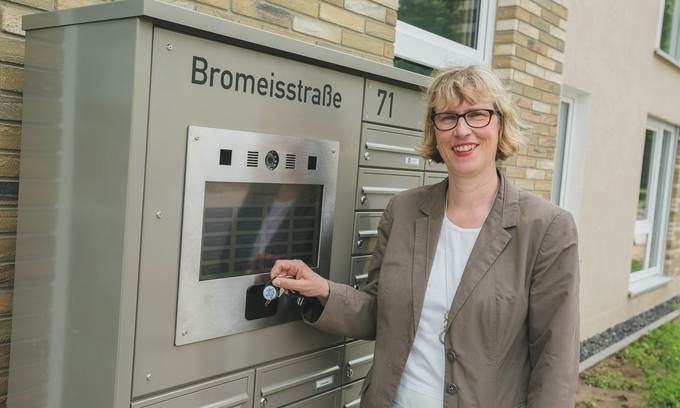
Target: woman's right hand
296, 275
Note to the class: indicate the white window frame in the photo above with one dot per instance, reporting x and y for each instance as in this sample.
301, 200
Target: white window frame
425, 48
573, 159
653, 277
561, 184
674, 55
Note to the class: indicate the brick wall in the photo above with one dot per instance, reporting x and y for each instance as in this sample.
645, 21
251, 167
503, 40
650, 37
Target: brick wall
361, 27
528, 54
672, 258
11, 85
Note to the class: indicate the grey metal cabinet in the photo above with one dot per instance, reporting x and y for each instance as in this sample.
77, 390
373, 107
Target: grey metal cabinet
112, 94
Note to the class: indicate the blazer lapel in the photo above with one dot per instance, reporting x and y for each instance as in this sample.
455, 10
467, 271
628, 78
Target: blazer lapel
492, 239
427, 229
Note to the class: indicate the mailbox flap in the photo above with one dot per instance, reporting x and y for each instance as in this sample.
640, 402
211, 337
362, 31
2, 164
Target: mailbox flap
298, 378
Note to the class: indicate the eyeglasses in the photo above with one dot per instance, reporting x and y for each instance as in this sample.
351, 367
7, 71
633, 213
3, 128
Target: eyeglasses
477, 118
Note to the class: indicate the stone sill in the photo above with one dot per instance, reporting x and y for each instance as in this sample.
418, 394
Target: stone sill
664, 55
645, 285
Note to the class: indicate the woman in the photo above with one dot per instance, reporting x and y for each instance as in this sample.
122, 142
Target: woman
473, 288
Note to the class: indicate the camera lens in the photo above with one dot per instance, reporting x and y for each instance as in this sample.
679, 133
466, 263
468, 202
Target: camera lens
271, 160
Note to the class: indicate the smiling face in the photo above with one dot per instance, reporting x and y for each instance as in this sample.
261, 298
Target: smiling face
468, 151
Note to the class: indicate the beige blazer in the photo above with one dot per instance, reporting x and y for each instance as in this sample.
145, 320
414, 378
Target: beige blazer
512, 339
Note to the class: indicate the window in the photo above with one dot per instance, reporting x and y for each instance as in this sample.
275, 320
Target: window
564, 136
570, 150
653, 201
440, 33
669, 32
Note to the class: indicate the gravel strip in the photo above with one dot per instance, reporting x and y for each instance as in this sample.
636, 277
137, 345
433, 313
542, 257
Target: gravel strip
622, 330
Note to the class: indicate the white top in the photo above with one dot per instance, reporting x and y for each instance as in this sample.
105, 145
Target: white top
424, 369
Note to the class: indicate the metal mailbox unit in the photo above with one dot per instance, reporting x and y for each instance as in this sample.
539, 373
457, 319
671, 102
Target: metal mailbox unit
168, 158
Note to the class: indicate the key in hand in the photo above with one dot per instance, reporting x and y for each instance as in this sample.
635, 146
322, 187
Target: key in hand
271, 292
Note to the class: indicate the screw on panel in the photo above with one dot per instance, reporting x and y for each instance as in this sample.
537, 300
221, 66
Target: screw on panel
263, 401
367, 155
196, 138
149, 377
333, 151
159, 214
168, 47
185, 332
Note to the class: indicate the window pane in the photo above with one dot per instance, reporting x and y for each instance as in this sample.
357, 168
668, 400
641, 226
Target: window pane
457, 20
558, 176
413, 67
643, 200
670, 27
658, 228
248, 226
639, 249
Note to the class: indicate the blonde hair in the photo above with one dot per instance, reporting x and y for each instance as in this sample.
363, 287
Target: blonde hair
472, 84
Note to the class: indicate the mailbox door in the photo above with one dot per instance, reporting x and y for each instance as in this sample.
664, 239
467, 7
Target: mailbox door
383, 146
285, 382
351, 395
377, 186
358, 359
365, 232
235, 391
360, 265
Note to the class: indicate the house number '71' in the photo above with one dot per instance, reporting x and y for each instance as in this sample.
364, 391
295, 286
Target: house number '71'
383, 94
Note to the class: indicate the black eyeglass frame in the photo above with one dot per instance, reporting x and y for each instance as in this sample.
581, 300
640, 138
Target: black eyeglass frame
491, 112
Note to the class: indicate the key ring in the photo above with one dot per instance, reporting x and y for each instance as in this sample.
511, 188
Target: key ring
271, 292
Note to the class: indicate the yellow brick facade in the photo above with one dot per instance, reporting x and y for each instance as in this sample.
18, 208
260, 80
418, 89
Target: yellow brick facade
528, 54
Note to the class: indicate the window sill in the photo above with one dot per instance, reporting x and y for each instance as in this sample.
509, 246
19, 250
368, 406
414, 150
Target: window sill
664, 55
645, 285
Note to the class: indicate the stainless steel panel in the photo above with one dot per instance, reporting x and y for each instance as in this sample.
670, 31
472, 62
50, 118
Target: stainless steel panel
234, 391
376, 187
393, 105
365, 232
177, 103
383, 146
216, 307
358, 359
434, 178
351, 395
284, 382
330, 399
75, 283
432, 166
359, 270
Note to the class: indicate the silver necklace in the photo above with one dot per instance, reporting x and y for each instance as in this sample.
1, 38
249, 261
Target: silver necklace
445, 322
